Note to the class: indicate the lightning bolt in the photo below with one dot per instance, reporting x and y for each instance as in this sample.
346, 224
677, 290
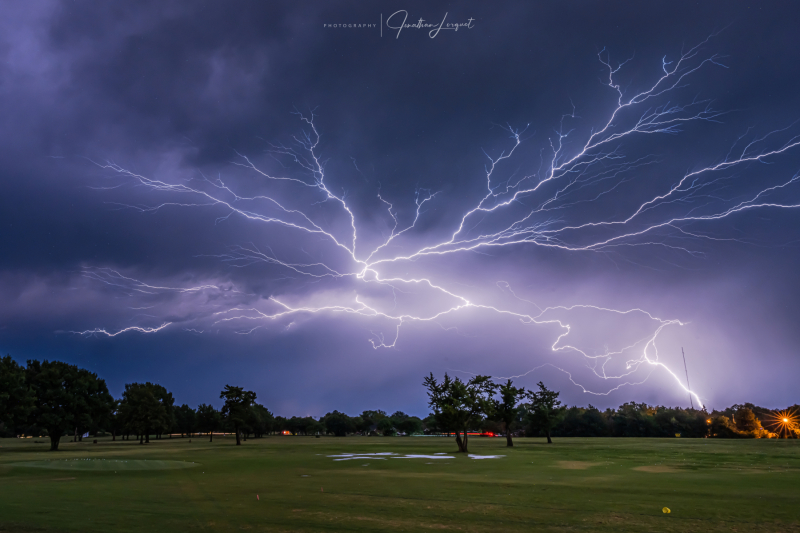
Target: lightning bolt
99, 331
542, 208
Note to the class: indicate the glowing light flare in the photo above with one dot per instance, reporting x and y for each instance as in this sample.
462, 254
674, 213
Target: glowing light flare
785, 423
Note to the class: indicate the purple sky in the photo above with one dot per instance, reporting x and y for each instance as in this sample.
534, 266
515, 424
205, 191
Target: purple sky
159, 167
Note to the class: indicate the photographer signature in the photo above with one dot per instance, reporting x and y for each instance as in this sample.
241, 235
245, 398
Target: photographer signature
421, 24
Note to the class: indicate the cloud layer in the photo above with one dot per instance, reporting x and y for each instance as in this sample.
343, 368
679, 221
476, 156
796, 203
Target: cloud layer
155, 171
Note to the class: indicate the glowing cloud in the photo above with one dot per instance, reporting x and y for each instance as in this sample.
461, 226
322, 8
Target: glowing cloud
559, 206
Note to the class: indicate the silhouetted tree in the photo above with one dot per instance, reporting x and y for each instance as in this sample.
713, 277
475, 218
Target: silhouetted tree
237, 405
315, 427
185, 420
369, 421
409, 425
634, 420
582, 422
114, 422
723, 427
545, 410
403, 423
430, 424
762, 414
260, 420
302, 426
142, 409
746, 420
295, 425
281, 424
67, 398
17, 399
505, 409
208, 419
459, 406
386, 427
641, 420
338, 423
167, 422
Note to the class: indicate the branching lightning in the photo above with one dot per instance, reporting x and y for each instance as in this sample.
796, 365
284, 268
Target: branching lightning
534, 210
99, 331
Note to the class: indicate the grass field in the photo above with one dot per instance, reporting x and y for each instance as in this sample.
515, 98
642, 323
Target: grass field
573, 484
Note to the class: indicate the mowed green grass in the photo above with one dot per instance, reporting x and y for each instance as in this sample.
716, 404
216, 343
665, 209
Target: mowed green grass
571, 485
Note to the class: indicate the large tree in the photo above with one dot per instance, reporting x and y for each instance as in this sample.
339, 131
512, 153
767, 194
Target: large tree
67, 398
545, 410
17, 400
403, 423
115, 423
339, 423
296, 425
410, 426
301, 426
506, 409
315, 427
208, 419
724, 427
142, 409
185, 420
746, 420
386, 427
260, 420
165, 398
459, 406
431, 425
370, 420
237, 406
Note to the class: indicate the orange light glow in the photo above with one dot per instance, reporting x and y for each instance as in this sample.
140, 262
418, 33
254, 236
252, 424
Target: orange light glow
785, 423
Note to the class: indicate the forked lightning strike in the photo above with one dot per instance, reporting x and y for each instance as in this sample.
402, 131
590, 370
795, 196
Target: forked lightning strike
98, 331
532, 210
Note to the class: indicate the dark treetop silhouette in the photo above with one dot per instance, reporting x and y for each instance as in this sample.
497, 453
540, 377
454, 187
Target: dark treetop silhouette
237, 404
459, 406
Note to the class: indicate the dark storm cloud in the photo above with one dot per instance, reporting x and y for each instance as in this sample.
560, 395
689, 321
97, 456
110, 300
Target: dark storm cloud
174, 90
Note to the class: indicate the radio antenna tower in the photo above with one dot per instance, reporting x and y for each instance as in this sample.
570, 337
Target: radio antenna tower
687, 377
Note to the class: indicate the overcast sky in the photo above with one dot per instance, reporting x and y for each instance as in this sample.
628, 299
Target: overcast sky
227, 169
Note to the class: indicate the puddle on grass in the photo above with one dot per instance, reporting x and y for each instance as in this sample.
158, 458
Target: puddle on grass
392, 455
411, 456
352, 457
382, 456
379, 456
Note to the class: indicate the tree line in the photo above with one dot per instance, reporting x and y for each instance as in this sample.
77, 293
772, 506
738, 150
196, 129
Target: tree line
461, 406
58, 399
479, 403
